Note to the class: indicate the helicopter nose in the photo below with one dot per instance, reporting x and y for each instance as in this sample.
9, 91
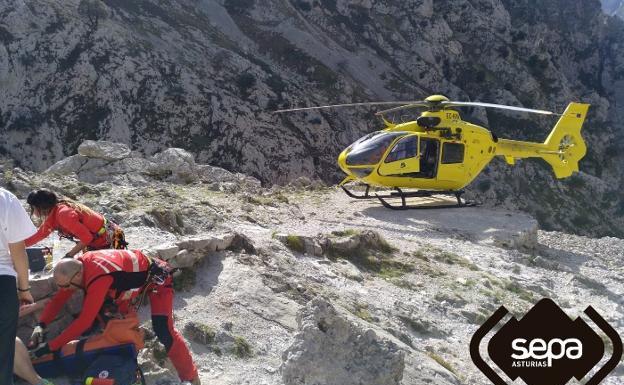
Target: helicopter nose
342, 162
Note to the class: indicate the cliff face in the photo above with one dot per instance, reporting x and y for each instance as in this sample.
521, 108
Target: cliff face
204, 75
613, 7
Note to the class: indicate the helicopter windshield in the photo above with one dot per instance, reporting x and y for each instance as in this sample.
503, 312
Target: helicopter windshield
369, 149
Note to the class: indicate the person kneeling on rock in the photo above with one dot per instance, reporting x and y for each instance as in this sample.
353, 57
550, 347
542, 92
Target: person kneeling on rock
124, 276
73, 220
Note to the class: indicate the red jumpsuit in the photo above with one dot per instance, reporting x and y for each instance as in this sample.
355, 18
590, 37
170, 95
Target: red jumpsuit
75, 223
120, 274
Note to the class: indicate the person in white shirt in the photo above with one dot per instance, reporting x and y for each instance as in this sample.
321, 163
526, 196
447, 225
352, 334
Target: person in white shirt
15, 227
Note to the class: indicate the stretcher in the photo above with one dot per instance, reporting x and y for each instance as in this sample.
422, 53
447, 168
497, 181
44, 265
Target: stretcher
120, 337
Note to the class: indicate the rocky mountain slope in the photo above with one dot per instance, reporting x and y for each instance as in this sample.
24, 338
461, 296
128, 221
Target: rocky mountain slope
301, 285
205, 75
613, 7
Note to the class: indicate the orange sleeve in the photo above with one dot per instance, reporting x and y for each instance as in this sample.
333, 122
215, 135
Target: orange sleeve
69, 220
44, 230
96, 294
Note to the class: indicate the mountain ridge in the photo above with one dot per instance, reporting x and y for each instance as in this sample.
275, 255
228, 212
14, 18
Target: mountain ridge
205, 76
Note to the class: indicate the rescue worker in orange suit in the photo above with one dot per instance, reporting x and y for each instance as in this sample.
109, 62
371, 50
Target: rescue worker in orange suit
122, 275
73, 220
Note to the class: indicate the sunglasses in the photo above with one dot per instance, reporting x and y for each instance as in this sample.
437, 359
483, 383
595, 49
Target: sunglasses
70, 284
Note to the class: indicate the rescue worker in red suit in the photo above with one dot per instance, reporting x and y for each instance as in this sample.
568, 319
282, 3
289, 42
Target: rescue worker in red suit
73, 220
121, 275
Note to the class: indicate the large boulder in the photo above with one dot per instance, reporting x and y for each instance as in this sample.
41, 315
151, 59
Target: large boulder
97, 170
332, 349
176, 165
219, 176
103, 150
102, 161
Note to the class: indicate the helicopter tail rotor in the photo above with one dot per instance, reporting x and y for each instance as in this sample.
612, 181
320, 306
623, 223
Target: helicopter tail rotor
565, 145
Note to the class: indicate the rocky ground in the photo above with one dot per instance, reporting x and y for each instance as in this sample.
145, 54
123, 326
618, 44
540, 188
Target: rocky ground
302, 285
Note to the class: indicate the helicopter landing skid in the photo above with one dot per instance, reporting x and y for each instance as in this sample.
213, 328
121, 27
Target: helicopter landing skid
422, 194
367, 194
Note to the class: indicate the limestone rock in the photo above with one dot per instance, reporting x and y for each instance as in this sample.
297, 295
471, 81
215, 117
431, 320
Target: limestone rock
301, 243
166, 252
96, 170
331, 349
103, 150
183, 259
176, 164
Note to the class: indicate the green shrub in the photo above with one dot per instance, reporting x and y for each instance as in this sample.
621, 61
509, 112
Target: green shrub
295, 243
241, 349
185, 280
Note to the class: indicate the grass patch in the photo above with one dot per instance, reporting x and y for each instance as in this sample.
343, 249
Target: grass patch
445, 364
393, 269
429, 252
385, 247
422, 327
404, 284
381, 266
281, 198
241, 349
295, 243
520, 292
345, 233
266, 200
200, 333
431, 271
8, 175
420, 254
185, 280
361, 311
370, 253
501, 288
454, 259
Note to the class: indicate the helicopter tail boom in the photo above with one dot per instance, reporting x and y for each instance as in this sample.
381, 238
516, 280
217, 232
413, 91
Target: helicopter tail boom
565, 146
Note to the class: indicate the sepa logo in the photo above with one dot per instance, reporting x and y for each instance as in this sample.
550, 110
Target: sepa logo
540, 353
546, 346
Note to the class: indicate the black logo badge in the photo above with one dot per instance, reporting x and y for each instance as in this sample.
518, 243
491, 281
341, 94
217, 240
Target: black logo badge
546, 346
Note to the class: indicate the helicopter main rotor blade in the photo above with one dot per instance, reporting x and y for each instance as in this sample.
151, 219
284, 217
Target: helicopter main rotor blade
403, 107
500, 106
340, 105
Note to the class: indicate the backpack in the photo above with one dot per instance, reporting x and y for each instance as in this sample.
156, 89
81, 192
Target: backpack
123, 369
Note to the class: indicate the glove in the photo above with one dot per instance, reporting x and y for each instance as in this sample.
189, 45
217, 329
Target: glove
38, 336
41, 350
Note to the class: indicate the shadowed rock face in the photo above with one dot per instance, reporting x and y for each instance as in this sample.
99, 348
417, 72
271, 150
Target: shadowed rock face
331, 349
204, 76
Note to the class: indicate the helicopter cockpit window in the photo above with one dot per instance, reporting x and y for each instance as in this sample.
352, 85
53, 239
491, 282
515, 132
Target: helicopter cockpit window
452, 153
405, 148
368, 151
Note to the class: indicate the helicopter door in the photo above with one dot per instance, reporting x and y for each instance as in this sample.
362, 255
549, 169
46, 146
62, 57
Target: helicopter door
452, 167
403, 158
429, 155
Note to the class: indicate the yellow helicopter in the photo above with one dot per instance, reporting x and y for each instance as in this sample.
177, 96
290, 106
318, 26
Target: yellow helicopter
439, 153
